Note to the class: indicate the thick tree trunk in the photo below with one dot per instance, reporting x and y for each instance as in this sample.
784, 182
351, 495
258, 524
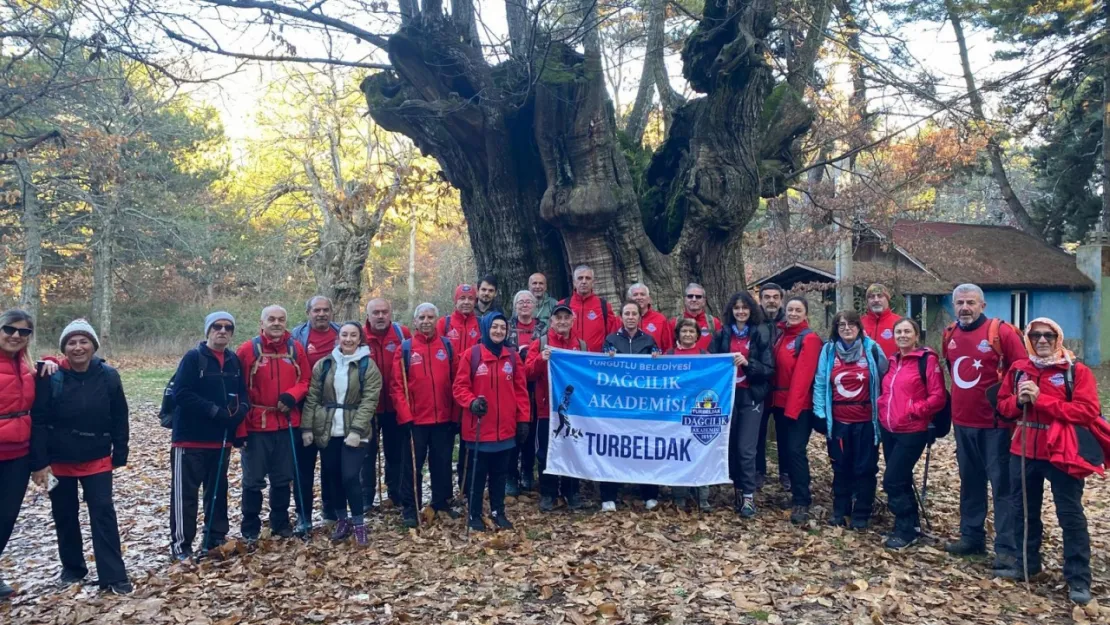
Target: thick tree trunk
103, 276
1105, 222
994, 149
543, 182
30, 290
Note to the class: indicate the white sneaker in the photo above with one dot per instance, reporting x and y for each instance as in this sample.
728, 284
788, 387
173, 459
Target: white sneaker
651, 504
608, 506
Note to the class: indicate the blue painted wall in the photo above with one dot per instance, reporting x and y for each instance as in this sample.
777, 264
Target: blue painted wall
1063, 307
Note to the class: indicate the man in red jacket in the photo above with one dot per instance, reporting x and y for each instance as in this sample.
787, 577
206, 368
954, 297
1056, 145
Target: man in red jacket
978, 351
560, 335
878, 322
652, 321
384, 337
277, 382
593, 316
1047, 389
420, 388
694, 308
461, 326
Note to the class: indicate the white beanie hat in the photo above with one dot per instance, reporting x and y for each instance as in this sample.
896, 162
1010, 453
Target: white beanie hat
78, 326
212, 318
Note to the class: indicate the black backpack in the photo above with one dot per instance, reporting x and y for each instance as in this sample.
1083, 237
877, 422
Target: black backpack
169, 404
406, 350
941, 424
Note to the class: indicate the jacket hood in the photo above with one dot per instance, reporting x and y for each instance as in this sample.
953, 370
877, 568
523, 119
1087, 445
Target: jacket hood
342, 360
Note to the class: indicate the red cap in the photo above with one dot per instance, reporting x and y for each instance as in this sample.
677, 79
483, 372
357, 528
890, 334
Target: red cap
464, 289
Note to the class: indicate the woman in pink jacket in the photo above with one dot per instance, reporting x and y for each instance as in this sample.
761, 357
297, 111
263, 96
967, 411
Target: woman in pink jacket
906, 407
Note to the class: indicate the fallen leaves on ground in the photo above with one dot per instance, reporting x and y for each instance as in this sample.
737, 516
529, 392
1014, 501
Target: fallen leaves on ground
632, 566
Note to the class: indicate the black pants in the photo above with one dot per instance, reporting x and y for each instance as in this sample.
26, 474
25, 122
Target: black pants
392, 446
793, 435
522, 462
267, 455
902, 451
489, 467
340, 466
433, 443
65, 508
610, 490
743, 438
1067, 493
551, 485
761, 446
855, 464
190, 469
306, 474
983, 455
14, 476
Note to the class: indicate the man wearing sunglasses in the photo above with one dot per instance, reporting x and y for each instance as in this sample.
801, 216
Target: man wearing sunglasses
694, 308
210, 396
978, 352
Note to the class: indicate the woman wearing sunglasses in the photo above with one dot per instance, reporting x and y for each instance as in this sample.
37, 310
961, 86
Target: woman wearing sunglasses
1054, 400
80, 414
17, 395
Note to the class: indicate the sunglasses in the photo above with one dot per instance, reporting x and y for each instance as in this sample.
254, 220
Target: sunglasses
1048, 336
12, 331
694, 296
222, 327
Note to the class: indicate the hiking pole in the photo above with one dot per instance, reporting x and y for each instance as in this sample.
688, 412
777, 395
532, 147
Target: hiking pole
215, 491
412, 445
1024, 502
474, 476
304, 521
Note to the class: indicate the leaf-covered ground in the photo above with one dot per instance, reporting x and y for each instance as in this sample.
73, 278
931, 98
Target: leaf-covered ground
632, 566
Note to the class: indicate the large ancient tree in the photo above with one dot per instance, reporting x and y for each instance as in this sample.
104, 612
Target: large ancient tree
532, 143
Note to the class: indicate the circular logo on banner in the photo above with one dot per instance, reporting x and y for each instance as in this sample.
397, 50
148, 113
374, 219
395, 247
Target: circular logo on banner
706, 419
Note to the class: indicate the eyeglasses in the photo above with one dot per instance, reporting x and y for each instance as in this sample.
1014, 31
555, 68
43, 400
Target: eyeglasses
694, 296
12, 331
1048, 336
844, 325
221, 327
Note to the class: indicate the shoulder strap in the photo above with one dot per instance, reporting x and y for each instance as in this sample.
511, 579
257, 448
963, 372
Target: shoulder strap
711, 321
1069, 381
447, 324
57, 382
399, 331
363, 367
449, 348
582, 345
543, 341
324, 368
291, 345
605, 312
256, 347
994, 337
475, 358
923, 369
406, 352
800, 342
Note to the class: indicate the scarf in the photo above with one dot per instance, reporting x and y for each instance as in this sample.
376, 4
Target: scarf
740, 332
1060, 354
849, 353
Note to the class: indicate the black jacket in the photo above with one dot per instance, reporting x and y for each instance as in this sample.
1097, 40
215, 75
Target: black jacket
81, 417
761, 360
211, 401
619, 341
772, 327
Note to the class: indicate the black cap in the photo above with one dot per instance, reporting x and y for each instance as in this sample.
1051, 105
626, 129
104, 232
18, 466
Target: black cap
559, 307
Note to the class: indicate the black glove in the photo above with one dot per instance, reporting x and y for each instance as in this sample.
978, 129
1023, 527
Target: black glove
521, 434
478, 407
285, 399
119, 457
819, 425
239, 443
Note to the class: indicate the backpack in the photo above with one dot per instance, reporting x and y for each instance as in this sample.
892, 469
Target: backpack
363, 366
169, 404
994, 337
476, 357
406, 350
799, 342
941, 424
543, 344
290, 356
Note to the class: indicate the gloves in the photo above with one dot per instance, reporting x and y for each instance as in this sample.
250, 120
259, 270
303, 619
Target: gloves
478, 407
239, 443
119, 457
286, 402
819, 425
306, 438
353, 440
521, 434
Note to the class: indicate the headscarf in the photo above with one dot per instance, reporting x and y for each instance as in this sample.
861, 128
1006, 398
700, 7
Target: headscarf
484, 324
1060, 354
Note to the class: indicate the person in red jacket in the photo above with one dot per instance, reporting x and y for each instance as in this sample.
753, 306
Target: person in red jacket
384, 337
17, 395
652, 321
461, 326
1047, 388
879, 320
561, 335
593, 316
694, 308
797, 352
277, 382
420, 387
979, 350
907, 406
490, 387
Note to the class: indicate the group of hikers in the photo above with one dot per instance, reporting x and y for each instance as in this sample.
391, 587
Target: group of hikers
337, 392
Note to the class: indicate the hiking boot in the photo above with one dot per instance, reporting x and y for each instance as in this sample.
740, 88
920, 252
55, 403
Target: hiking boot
1017, 573
500, 520
250, 538
651, 504
837, 521
360, 534
408, 518
181, 557
574, 502
6, 591
68, 578
799, 515
547, 503
527, 483
896, 542
512, 487
1079, 592
285, 532
703, 505
861, 524
1002, 561
608, 506
747, 507
964, 547
342, 530
303, 529
451, 514
476, 525
120, 588
784, 481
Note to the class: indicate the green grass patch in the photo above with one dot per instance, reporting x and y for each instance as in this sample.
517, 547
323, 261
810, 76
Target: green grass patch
760, 615
145, 384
